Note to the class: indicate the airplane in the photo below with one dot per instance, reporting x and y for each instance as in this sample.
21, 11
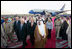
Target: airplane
51, 12
56, 12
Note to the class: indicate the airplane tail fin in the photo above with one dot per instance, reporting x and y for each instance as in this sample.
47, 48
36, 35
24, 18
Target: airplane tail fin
62, 7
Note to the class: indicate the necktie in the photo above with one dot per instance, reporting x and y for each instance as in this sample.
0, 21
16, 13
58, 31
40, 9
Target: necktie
16, 22
21, 26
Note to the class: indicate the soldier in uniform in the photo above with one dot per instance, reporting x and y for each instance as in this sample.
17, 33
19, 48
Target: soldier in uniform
9, 26
4, 36
57, 26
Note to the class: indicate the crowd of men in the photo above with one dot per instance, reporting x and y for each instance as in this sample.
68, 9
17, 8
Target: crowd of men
36, 29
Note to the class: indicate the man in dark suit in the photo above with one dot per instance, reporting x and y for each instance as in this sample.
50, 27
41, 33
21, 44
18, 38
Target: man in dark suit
28, 25
15, 27
22, 31
63, 30
31, 30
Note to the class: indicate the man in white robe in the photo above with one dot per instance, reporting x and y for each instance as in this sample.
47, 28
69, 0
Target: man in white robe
40, 35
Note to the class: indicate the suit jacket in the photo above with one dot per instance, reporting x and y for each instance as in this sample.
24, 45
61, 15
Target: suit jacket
30, 29
15, 27
23, 31
28, 21
65, 26
63, 30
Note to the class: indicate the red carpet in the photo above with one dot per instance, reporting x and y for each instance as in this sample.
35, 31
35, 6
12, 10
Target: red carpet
51, 43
